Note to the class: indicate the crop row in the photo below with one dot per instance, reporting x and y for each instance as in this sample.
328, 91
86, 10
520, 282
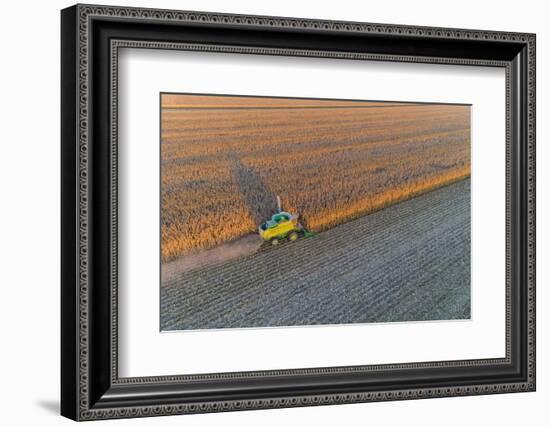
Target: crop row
407, 262
222, 168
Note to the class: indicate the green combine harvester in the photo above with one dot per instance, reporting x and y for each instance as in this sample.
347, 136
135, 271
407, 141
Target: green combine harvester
283, 226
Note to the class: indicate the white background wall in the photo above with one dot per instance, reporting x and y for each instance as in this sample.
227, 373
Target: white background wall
29, 212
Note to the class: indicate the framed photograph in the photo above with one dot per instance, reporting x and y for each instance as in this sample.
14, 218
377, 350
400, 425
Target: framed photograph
263, 212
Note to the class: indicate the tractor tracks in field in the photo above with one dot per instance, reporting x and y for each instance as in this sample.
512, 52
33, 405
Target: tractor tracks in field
408, 262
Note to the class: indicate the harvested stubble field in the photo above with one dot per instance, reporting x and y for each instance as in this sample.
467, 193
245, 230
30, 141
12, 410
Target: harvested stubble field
408, 262
224, 159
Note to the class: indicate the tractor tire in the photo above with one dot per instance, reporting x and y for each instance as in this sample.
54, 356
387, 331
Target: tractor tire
293, 236
274, 241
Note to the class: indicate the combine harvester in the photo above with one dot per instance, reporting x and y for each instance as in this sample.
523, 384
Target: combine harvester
282, 226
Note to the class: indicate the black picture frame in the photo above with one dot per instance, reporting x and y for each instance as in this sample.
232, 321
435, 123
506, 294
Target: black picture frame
90, 386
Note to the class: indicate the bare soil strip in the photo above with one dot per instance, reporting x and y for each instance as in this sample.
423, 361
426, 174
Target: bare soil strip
235, 249
408, 262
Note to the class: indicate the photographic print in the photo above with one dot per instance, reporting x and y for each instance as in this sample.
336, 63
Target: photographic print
283, 212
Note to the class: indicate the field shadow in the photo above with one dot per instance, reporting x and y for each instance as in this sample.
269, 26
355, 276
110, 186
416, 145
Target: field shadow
259, 200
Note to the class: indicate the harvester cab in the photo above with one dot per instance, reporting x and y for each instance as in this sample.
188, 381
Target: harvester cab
282, 226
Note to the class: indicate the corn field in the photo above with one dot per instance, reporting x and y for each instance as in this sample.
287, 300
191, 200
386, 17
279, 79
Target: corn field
224, 159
